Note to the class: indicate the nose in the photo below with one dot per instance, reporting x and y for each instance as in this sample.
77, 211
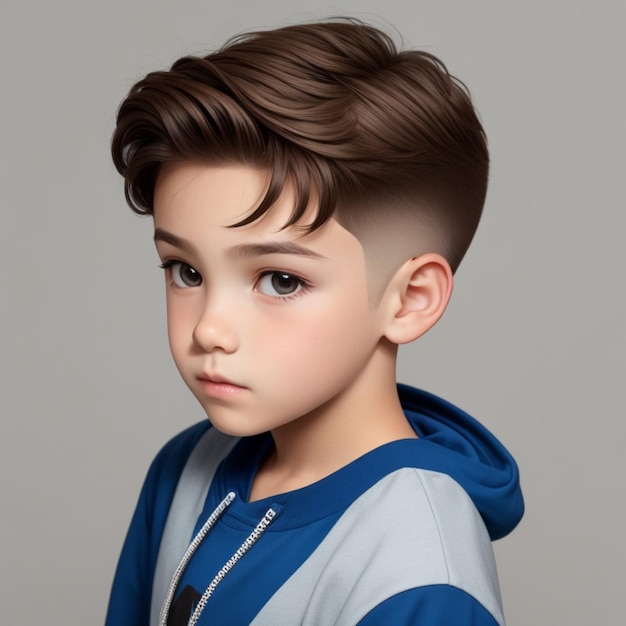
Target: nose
215, 330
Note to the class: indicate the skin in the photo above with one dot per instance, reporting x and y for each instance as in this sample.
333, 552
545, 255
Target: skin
273, 330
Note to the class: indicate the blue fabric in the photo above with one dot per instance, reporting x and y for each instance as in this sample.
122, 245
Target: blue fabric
450, 442
129, 603
435, 605
455, 443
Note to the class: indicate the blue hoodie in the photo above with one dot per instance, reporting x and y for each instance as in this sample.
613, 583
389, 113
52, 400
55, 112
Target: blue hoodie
399, 536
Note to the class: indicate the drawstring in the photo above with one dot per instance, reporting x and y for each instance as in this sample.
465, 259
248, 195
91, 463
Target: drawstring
247, 544
193, 546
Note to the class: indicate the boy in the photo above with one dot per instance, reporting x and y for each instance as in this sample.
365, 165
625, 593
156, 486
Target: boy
312, 191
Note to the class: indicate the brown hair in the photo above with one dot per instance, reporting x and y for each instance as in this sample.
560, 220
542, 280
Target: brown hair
332, 107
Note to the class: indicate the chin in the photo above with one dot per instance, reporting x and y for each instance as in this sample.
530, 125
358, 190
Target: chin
234, 427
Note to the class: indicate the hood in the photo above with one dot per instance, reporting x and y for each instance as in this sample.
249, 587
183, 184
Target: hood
455, 443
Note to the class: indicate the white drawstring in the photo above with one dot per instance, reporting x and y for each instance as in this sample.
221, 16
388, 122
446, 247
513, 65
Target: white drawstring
247, 544
193, 546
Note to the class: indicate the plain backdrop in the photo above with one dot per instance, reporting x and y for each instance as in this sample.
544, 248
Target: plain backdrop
532, 344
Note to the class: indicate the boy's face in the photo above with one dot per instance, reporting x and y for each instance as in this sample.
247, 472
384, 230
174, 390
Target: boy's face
265, 325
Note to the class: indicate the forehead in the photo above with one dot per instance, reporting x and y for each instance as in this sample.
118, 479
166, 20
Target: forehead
222, 194
201, 203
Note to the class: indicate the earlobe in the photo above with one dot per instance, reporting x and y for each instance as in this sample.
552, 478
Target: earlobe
421, 290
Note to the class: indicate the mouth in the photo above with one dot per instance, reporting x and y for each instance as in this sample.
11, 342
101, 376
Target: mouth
217, 386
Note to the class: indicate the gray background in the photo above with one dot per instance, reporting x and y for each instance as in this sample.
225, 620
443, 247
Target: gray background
532, 344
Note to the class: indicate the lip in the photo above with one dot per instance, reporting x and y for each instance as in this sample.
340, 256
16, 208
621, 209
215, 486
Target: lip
217, 386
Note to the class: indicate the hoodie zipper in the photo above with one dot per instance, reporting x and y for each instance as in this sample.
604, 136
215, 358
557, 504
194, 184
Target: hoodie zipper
254, 536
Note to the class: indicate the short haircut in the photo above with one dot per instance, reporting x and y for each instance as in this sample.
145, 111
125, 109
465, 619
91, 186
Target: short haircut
335, 109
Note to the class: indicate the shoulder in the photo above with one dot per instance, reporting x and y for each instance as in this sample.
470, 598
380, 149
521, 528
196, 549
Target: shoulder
436, 522
162, 479
172, 457
413, 544
437, 605
428, 536
132, 585
187, 466
179, 477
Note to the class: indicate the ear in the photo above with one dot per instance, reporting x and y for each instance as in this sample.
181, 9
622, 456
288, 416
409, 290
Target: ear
418, 294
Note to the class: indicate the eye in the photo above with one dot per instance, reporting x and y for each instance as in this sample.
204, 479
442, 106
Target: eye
183, 275
280, 284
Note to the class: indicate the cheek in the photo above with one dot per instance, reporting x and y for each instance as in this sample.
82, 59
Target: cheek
179, 330
324, 344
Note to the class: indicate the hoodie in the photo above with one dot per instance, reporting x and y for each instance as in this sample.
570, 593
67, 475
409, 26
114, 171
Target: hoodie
402, 535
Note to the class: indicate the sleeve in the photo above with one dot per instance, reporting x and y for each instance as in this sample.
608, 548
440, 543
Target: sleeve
435, 605
129, 602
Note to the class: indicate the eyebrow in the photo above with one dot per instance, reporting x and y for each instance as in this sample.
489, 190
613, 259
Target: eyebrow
242, 251
178, 242
273, 247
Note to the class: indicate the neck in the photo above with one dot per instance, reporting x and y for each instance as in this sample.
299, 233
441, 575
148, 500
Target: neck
363, 417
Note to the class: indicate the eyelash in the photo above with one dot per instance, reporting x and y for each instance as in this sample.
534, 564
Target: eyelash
172, 263
166, 265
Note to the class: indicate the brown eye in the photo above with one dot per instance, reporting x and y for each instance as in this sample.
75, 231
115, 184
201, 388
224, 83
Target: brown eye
184, 276
279, 284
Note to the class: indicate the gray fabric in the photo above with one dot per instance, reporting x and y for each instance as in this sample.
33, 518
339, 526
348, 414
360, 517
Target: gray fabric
413, 528
187, 504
